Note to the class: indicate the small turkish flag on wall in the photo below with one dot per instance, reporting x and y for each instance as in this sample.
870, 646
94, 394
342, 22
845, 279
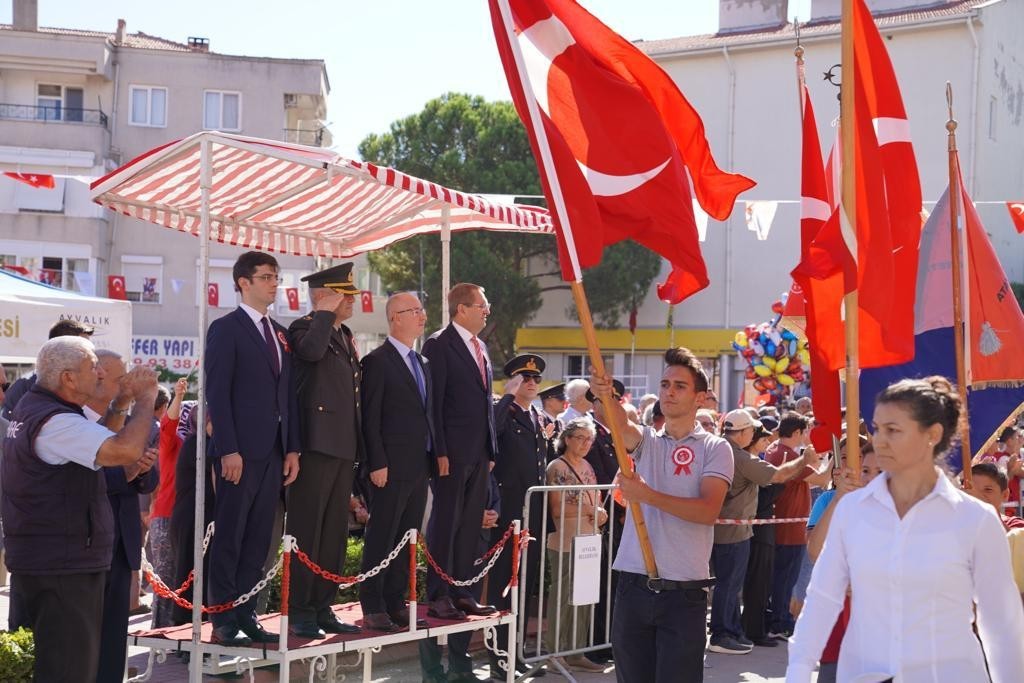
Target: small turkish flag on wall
41, 180
1017, 214
293, 298
213, 294
115, 287
367, 298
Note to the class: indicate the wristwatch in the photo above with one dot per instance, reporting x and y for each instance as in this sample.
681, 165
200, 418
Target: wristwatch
116, 411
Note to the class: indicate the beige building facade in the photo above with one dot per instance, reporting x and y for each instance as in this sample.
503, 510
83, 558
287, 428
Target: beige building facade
76, 104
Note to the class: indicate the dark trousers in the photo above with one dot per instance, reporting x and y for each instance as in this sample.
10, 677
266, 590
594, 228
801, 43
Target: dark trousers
729, 562
114, 632
318, 519
244, 517
756, 589
788, 559
501, 573
64, 613
454, 526
658, 637
394, 509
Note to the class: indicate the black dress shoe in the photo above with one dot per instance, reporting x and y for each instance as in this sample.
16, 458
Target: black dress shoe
258, 634
380, 622
471, 606
765, 642
230, 636
401, 617
442, 608
306, 629
332, 624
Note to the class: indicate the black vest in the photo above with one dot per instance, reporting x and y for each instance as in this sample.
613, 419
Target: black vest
56, 518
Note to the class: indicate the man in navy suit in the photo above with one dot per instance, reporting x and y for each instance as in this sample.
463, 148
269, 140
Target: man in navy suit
253, 406
398, 428
465, 446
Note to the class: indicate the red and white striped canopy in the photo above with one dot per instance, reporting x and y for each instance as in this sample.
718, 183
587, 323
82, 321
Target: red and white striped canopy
293, 199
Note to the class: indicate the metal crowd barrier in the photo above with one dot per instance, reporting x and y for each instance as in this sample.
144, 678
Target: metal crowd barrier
534, 654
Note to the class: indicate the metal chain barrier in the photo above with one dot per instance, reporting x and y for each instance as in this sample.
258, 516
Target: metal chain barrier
358, 578
501, 542
780, 520
494, 554
154, 578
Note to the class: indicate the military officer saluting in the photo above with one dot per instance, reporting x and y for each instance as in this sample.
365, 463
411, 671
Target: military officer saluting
332, 445
521, 463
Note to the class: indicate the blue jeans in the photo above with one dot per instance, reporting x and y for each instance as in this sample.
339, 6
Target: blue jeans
729, 561
658, 637
788, 560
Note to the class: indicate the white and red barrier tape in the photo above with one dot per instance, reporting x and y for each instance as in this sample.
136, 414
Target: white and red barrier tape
779, 520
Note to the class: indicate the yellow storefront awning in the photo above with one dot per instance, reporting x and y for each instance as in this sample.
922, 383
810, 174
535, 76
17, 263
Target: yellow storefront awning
703, 342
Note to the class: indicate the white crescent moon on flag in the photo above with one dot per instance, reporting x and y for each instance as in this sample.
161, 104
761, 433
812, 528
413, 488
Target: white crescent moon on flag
1019, 208
541, 44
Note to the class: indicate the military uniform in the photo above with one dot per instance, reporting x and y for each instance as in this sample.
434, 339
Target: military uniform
328, 379
556, 391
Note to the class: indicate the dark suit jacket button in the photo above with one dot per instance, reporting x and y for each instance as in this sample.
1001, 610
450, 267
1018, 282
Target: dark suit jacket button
320, 408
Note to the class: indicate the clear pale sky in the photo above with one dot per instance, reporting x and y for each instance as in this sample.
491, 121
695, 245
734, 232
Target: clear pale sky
385, 58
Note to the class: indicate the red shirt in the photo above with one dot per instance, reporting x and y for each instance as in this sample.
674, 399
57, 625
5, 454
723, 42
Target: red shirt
795, 499
170, 445
835, 639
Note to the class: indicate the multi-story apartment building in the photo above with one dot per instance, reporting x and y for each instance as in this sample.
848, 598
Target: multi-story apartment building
742, 80
76, 104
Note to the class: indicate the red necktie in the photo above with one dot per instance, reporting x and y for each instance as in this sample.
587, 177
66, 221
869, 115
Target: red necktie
481, 363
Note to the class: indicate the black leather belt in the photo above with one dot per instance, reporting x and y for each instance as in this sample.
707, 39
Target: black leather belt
659, 585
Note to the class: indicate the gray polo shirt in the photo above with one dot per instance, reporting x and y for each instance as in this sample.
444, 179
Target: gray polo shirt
751, 473
682, 549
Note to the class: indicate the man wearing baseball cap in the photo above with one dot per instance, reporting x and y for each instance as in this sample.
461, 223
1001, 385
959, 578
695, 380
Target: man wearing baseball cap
731, 551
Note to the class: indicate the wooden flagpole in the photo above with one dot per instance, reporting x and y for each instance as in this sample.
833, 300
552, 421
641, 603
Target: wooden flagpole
582, 306
958, 294
848, 213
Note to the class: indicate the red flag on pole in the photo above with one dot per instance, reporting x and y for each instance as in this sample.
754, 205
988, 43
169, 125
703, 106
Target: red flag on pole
213, 294
878, 256
39, 180
366, 298
116, 287
1016, 210
292, 294
619, 136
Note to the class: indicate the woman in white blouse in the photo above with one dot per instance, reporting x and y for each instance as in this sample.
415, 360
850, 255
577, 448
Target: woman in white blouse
918, 555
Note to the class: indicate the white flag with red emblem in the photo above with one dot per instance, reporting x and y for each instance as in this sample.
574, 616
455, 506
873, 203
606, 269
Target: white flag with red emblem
367, 300
213, 294
116, 287
293, 298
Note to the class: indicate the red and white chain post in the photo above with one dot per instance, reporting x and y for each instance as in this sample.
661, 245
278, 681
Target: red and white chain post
510, 646
413, 607
286, 575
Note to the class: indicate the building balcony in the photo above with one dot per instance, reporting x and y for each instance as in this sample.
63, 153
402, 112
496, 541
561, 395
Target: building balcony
317, 137
54, 128
31, 112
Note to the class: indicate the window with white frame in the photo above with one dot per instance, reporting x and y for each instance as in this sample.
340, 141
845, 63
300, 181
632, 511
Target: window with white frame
67, 266
222, 110
286, 306
149, 106
143, 278
221, 284
59, 102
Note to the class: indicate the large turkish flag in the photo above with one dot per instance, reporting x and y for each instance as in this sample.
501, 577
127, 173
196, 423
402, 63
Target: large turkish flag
622, 139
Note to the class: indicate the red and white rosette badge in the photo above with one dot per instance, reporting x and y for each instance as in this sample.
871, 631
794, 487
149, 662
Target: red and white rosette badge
683, 458
284, 341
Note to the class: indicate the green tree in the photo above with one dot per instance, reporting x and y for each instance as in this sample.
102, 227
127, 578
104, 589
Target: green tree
465, 142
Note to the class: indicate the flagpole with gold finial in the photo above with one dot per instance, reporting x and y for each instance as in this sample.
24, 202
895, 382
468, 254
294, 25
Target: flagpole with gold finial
958, 294
848, 214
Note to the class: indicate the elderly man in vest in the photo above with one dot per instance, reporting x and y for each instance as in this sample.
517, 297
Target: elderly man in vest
58, 525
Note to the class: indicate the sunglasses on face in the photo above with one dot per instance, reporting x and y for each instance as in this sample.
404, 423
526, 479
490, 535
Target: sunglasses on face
530, 378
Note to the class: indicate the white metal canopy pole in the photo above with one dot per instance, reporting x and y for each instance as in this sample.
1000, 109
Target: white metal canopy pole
195, 670
446, 261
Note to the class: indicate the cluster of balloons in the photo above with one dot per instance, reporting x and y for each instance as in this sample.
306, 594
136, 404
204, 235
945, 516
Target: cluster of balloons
776, 358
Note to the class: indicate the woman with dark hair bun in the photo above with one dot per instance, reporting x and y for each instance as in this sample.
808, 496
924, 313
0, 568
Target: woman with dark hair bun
922, 560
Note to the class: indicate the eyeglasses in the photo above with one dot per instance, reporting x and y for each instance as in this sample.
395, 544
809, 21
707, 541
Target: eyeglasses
484, 307
582, 437
415, 311
531, 378
268, 277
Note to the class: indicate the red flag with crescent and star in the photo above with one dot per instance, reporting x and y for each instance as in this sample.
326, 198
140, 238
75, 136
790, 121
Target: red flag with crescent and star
292, 293
116, 287
366, 297
212, 294
1016, 210
623, 140
43, 181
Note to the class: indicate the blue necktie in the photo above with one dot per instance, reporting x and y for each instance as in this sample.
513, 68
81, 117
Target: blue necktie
418, 375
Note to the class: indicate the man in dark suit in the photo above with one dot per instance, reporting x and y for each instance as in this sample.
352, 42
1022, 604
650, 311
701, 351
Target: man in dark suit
399, 431
466, 447
327, 378
521, 463
250, 388
552, 402
109, 406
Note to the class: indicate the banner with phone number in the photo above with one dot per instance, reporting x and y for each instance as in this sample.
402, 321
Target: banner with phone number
177, 354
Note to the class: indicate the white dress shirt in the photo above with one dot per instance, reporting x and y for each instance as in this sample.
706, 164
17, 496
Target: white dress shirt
914, 583
257, 320
467, 338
